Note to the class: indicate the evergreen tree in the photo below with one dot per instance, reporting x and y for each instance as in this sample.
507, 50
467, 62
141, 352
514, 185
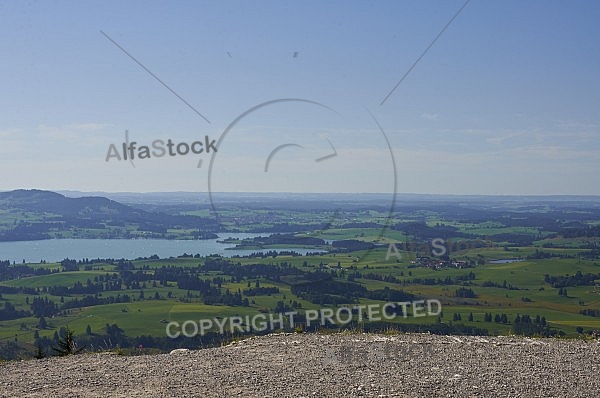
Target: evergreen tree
67, 344
39, 353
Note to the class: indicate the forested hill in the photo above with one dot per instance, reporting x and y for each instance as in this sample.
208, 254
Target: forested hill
36, 214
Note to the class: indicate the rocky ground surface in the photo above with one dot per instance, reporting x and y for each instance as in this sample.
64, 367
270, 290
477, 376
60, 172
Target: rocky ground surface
316, 365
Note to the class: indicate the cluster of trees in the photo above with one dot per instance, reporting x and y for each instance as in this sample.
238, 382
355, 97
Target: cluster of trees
578, 279
26, 231
284, 239
527, 326
251, 271
503, 285
329, 292
389, 295
226, 298
373, 276
342, 292
457, 280
261, 291
281, 307
465, 293
69, 265
209, 290
590, 312
102, 283
15, 271
274, 254
523, 324
43, 307
9, 312
498, 318
422, 232
540, 254
350, 245
582, 230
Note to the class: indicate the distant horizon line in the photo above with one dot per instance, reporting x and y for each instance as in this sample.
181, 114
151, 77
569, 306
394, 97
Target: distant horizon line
72, 191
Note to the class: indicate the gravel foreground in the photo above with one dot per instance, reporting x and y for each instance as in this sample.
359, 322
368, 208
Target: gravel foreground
315, 365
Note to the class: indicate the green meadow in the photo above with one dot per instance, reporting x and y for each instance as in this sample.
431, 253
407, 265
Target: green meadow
526, 293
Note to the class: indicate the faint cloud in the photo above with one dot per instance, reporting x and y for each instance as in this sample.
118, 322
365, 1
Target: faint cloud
71, 132
500, 138
471, 132
429, 116
552, 153
8, 132
55, 133
88, 126
563, 134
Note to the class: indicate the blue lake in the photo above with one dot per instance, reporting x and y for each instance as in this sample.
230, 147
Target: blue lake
507, 261
54, 250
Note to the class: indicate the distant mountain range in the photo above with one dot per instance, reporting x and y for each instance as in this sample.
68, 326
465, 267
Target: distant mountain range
37, 214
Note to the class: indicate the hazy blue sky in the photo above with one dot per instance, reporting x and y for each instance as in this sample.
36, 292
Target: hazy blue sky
506, 101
